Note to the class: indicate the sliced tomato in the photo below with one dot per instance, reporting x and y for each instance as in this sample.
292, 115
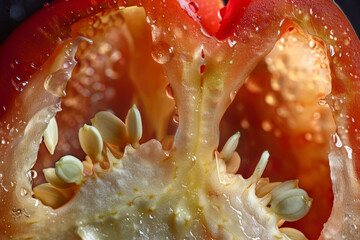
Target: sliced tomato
207, 63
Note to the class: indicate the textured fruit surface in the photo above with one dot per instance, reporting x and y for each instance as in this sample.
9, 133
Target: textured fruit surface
112, 129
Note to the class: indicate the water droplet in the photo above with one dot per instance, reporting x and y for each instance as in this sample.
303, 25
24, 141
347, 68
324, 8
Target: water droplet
23, 192
332, 50
222, 12
337, 140
233, 95
232, 42
194, 7
176, 118
312, 44
322, 102
162, 53
90, 10
349, 151
33, 174
169, 92
17, 212
18, 83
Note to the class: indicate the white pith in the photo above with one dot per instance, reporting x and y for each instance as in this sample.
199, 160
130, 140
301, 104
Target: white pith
141, 197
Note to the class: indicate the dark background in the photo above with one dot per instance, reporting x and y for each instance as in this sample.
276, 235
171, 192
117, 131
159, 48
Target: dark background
13, 12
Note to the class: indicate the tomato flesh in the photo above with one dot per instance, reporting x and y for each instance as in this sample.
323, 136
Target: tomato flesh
239, 32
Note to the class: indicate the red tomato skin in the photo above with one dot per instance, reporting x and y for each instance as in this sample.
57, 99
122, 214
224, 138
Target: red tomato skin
234, 10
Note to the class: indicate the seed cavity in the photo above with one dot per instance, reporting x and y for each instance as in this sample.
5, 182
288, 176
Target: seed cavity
111, 128
51, 135
134, 126
69, 169
52, 196
91, 142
